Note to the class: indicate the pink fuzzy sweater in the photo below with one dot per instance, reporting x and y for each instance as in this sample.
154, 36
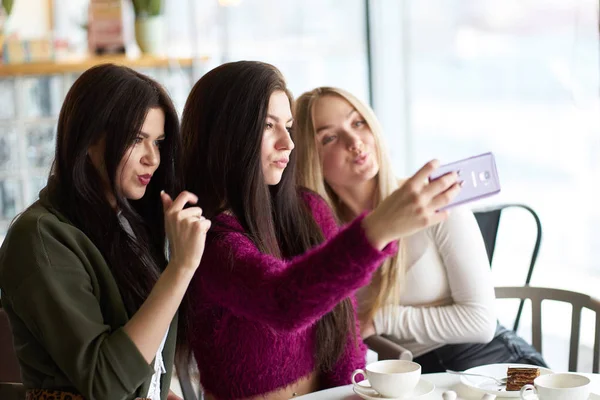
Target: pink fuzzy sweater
254, 324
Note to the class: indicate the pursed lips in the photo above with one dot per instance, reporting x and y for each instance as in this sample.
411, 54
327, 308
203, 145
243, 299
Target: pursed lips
145, 179
282, 162
361, 159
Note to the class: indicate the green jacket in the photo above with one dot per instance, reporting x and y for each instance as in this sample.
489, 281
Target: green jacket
67, 314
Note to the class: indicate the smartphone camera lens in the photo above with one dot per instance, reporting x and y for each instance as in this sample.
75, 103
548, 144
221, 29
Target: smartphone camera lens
484, 176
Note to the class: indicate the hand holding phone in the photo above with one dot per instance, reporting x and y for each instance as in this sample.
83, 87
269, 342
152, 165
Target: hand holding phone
478, 176
410, 208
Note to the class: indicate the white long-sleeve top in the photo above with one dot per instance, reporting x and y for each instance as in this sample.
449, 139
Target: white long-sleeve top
448, 293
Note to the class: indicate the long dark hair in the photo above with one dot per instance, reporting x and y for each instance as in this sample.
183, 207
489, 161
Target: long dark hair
110, 103
222, 127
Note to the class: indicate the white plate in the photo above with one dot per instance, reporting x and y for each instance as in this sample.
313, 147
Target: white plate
423, 388
486, 385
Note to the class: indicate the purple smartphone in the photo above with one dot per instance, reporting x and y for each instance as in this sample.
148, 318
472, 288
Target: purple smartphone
479, 175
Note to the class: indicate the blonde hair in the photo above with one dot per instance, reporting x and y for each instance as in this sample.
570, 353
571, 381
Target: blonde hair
387, 282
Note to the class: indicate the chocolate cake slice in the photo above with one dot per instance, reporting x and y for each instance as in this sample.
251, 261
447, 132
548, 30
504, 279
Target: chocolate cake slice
519, 377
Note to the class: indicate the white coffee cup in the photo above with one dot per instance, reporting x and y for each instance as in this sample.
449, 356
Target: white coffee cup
390, 378
564, 386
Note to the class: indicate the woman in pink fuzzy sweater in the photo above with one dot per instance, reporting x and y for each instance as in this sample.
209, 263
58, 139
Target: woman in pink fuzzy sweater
271, 311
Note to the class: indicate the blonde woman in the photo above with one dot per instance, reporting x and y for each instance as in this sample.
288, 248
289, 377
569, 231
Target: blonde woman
436, 296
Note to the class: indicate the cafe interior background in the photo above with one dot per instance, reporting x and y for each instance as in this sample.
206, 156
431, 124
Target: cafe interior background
448, 79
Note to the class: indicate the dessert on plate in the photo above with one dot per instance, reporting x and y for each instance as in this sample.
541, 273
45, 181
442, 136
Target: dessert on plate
519, 377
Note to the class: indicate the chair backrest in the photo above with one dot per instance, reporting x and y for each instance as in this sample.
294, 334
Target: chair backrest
488, 220
578, 301
185, 380
9, 366
387, 349
11, 387
12, 391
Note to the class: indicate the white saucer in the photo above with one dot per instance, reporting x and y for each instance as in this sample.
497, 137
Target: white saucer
486, 385
423, 388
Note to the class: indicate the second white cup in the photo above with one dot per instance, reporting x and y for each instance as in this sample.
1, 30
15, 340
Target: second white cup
390, 378
557, 387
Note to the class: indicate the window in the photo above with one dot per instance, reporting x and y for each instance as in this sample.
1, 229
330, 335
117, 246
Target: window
313, 42
521, 79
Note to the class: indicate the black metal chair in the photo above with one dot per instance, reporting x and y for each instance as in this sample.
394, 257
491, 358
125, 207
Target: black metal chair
489, 222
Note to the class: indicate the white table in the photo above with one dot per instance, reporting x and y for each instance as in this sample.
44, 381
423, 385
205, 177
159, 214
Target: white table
442, 382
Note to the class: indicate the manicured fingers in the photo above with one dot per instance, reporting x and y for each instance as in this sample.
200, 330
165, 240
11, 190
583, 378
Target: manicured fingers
204, 225
440, 185
192, 212
181, 200
422, 175
444, 198
166, 200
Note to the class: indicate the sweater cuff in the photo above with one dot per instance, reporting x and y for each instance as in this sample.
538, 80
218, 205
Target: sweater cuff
389, 250
129, 365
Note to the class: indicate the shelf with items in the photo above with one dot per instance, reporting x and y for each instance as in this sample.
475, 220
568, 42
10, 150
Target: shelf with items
81, 64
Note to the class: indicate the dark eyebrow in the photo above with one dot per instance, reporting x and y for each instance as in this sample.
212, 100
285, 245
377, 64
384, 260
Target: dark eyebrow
146, 136
277, 119
329, 126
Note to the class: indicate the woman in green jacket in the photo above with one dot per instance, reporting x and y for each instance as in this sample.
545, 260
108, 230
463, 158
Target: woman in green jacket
83, 273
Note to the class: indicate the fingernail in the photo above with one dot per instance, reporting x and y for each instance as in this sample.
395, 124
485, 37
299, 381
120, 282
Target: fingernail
162, 192
461, 183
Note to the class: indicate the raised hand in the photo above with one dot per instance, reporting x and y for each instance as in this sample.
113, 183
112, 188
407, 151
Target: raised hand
412, 207
186, 230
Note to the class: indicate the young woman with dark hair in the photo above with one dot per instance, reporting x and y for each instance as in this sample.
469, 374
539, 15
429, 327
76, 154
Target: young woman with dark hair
83, 272
271, 310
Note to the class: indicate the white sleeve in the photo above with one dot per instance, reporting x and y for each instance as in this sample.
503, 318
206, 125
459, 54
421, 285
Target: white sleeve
471, 318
